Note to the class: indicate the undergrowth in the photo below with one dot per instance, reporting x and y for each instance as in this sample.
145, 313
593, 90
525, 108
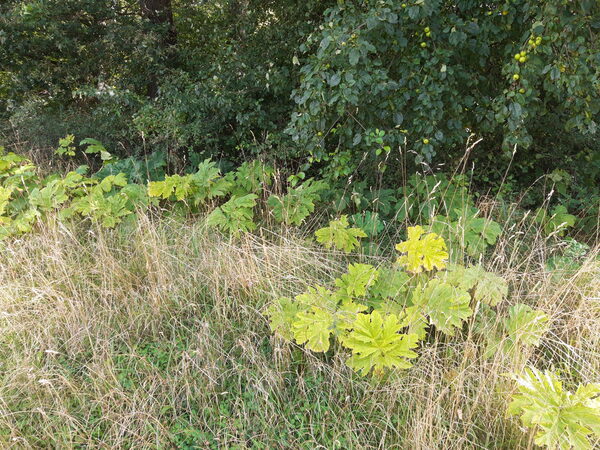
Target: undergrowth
153, 335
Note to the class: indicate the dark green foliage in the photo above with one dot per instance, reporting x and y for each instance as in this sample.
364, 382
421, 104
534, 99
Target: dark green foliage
425, 75
371, 91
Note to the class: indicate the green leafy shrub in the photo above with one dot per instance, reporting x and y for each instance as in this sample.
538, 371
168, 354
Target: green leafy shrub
570, 259
206, 184
468, 232
485, 287
94, 146
523, 328
557, 222
369, 222
25, 197
372, 78
65, 146
251, 177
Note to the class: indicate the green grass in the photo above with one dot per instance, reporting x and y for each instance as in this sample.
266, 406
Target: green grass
153, 336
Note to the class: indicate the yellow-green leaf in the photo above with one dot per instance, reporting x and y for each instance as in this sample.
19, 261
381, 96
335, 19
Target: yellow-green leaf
376, 343
422, 252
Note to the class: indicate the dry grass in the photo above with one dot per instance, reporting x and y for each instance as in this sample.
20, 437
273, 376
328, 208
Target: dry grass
153, 337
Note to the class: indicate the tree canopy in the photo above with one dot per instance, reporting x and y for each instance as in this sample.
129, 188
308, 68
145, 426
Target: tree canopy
335, 87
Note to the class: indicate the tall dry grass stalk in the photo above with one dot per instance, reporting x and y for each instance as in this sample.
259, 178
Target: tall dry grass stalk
153, 336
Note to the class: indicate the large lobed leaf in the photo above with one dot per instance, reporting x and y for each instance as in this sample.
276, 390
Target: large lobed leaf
422, 252
563, 420
313, 328
377, 344
446, 305
487, 287
525, 325
338, 235
357, 280
235, 215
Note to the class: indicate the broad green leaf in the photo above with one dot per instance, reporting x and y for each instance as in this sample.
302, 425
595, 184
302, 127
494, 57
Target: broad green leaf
282, 314
368, 222
250, 178
376, 344
446, 305
298, 203
208, 183
5, 194
487, 287
412, 318
357, 280
65, 146
95, 146
338, 235
557, 222
313, 328
525, 325
346, 315
422, 252
235, 215
318, 296
561, 419
389, 284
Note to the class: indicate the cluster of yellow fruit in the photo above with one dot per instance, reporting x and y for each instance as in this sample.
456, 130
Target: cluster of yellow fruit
427, 31
503, 12
535, 41
521, 57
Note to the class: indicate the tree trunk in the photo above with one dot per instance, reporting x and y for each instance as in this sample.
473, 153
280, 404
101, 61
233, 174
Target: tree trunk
160, 13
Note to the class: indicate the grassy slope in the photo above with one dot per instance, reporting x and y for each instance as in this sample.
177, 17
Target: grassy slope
153, 336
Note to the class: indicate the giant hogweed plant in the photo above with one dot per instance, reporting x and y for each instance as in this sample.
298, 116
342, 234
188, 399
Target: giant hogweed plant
379, 316
245, 187
26, 197
229, 199
561, 419
443, 205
